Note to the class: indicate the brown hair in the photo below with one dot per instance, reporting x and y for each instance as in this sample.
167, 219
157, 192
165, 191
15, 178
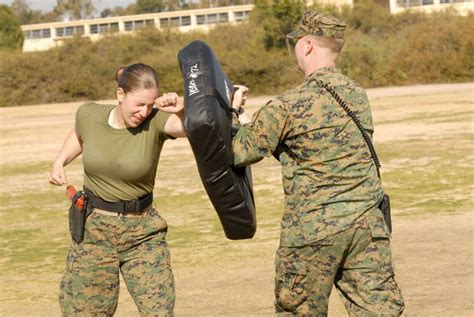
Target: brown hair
334, 45
136, 76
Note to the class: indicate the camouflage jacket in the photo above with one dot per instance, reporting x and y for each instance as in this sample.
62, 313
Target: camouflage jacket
329, 178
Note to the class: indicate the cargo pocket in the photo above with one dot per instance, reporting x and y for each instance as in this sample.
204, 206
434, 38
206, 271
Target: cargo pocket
292, 284
379, 249
156, 223
377, 225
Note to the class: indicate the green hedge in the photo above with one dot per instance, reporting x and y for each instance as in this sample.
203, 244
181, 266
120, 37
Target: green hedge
410, 48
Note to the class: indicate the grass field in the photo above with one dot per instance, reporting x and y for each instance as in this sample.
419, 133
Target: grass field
424, 137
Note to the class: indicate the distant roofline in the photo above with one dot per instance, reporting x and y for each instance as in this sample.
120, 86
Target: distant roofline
166, 14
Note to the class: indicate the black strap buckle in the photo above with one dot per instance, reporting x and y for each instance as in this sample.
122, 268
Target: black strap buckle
131, 205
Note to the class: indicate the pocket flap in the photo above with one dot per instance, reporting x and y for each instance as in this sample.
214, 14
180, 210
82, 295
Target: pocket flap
289, 260
378, 227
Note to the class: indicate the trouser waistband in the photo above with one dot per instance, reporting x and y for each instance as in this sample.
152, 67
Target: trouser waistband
127, 214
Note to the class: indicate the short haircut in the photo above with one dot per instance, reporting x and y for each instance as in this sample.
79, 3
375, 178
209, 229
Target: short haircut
335, 45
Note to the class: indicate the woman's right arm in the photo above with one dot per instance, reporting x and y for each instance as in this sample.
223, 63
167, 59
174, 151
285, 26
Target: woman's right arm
71, 149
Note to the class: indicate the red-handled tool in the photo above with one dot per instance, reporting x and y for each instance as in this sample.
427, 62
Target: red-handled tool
70, 192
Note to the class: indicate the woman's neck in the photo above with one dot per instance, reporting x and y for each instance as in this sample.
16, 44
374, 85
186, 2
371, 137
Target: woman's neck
115, 119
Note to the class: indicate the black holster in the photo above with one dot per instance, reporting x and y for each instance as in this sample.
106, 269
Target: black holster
78, 217
384, 206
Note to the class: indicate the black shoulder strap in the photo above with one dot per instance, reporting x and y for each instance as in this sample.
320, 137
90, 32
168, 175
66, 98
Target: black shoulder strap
356, 120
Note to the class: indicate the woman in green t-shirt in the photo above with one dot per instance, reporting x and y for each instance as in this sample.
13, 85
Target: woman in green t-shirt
121, 146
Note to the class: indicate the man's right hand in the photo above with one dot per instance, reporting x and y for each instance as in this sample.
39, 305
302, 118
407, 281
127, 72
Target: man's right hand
240, 96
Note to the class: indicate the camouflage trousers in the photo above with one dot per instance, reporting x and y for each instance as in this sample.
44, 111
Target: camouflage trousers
137, 248
356, 261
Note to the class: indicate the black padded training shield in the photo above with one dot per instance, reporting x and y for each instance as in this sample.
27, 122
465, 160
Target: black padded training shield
207, 121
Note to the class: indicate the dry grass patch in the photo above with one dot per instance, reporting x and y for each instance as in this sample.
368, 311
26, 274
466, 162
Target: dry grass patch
425, 145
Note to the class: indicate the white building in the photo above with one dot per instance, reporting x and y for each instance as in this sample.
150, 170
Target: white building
462, 6
43, 36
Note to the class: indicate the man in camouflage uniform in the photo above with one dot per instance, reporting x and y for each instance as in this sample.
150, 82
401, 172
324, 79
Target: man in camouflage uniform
332, 232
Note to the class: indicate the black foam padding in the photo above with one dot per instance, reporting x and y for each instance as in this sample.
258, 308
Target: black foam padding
207, 121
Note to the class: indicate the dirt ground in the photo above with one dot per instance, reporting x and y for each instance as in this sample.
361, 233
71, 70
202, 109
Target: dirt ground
436, 274
433, 254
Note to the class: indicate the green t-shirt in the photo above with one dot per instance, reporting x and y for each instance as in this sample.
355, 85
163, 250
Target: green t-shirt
119, 164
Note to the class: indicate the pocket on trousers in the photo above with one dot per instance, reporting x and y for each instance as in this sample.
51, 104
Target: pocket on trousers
377, 225
76, 257
292, 283
156, 222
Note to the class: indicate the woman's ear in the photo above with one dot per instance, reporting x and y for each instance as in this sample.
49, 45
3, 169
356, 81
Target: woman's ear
120, 94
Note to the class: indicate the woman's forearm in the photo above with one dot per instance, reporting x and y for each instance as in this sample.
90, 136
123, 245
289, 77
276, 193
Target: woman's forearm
72, 148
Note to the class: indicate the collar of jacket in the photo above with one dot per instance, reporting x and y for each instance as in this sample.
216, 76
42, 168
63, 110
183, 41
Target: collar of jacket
322, 71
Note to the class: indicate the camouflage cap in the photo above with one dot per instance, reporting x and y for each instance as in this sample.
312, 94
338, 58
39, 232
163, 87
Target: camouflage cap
319, 24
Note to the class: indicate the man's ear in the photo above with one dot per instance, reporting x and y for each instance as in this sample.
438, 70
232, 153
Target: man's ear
309, 46
120, 94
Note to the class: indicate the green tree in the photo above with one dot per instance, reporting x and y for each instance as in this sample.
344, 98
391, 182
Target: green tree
21, 11
278, 18
150, 6
219, 3
25, 15
370, 18
77, 9
11, 36
119, 11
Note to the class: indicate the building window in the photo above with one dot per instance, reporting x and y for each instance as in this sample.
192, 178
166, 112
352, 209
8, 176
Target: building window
164, 22
175, 21
69, 30
128, 25
212, 18
103, 28
201, 19
426, 2
186, 21
46, 33
410, 3
138, 24
241, 15
37, 34
223, 18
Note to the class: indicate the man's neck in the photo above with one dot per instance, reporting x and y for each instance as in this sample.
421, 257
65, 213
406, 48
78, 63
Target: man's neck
316, 66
